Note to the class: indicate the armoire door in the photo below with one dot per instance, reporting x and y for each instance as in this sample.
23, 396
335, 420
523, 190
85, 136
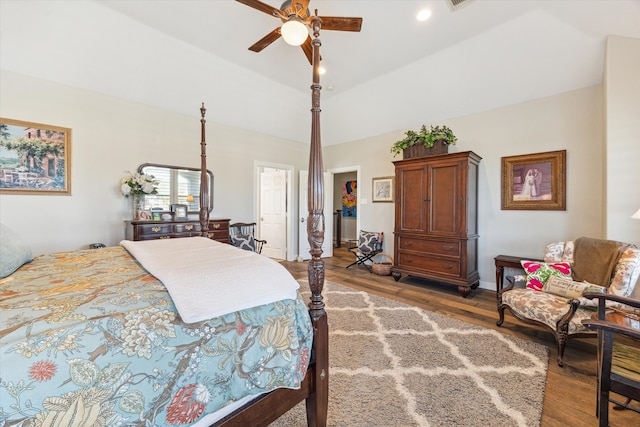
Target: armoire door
446, 199
411, 191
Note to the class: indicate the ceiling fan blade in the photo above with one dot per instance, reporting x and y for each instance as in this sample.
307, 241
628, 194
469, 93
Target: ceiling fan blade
341, 24
262, 7
307, 48
266, 40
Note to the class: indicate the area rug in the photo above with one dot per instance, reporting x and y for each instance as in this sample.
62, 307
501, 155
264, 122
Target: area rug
392, 364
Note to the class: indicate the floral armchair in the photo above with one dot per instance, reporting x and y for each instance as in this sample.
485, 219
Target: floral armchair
563, 314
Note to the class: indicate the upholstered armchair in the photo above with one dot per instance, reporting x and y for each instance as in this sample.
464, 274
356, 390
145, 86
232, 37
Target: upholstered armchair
557, 304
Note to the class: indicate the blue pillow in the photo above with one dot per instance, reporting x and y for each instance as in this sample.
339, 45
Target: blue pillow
14, 252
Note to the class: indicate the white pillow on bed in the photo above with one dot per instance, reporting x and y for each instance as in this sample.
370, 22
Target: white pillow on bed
14, 252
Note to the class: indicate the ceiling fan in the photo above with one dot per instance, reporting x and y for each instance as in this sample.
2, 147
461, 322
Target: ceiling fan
297, 12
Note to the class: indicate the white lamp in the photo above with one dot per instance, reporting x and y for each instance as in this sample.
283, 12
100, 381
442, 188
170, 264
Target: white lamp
294, 32
636, 215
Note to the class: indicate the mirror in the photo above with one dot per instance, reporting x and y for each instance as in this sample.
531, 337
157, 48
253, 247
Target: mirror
178, 185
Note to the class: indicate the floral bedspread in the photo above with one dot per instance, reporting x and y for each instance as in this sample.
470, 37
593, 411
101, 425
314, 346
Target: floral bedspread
89, 338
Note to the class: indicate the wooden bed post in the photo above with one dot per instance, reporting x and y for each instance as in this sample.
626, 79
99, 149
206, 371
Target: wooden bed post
204, 179
318, 402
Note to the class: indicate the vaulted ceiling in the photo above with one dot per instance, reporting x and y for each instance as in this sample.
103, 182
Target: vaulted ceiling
397, 73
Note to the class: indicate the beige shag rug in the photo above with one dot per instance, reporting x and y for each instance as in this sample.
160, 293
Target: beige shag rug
392, 364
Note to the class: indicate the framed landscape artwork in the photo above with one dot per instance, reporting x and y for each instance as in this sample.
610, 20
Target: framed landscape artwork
535, 181
34, 158
383, 189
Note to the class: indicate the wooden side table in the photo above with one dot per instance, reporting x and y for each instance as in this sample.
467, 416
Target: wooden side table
508, 261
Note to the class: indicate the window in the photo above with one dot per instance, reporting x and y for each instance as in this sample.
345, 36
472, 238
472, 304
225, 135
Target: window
178, 184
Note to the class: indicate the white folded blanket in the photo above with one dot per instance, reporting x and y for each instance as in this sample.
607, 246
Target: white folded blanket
206, 278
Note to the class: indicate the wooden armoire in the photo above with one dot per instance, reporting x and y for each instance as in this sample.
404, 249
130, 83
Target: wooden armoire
436, 224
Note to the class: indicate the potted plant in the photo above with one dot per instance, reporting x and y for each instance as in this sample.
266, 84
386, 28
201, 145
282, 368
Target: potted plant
432, 137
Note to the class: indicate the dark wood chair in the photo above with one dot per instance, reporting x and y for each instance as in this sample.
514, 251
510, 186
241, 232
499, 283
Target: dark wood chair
243, 235
618, 352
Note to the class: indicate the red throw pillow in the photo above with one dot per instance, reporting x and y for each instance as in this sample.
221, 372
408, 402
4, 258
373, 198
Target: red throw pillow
539, 272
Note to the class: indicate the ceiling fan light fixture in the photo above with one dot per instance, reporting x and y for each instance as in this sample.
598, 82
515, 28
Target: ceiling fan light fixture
294, 32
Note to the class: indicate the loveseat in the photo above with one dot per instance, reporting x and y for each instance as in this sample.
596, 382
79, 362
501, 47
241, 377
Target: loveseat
550, 293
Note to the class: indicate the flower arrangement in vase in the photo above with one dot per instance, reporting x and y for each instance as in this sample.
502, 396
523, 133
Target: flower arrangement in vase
138, 186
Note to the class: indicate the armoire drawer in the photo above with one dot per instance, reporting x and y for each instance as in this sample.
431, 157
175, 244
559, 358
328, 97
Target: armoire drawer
428, 264
435, 247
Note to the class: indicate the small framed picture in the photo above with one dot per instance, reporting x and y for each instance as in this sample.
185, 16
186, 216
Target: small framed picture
179, 211
145, 215
383, 189
157, 215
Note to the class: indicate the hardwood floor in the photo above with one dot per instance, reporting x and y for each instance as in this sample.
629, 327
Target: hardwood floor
570, 394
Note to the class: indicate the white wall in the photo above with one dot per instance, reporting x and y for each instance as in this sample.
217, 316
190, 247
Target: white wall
571, 121
110, 137
622, 108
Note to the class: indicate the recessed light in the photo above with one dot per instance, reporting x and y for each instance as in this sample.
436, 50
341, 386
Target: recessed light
423, 15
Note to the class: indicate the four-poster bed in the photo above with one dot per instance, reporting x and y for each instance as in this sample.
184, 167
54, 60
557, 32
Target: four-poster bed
315, 386
94, 338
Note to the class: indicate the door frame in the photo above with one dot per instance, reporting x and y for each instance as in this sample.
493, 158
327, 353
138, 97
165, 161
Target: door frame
346, 169
258, 167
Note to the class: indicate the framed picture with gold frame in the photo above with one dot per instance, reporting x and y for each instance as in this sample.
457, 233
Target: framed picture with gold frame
34, 158
535, 181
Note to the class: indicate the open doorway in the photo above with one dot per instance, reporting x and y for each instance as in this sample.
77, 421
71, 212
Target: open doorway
273, 207
346, 204
334, 182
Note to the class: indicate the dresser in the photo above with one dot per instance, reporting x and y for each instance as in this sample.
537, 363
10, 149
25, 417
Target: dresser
436, 219
148, 230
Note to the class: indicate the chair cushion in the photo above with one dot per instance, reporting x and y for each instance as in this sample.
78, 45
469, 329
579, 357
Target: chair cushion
244, 241
14, 252
545, 308
559, 252
626, 273
539, 272
368, 241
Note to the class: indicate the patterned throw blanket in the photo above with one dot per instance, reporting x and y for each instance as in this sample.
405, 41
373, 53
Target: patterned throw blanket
595, 259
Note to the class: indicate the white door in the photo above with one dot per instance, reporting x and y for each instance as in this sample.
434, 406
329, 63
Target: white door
273, 212
303, 209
